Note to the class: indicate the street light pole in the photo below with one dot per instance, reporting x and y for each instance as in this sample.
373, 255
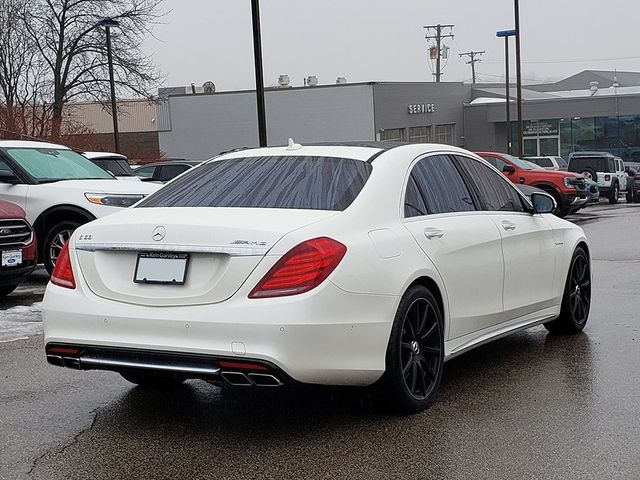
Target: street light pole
518, 75
507, 95
257, 54
107, 23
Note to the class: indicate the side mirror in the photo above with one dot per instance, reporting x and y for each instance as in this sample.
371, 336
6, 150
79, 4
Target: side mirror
543, 203
508, 169
8, 177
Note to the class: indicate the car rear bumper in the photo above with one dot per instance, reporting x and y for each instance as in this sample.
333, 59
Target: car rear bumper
326, 336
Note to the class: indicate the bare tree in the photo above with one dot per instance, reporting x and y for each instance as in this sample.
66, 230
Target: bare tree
67, 36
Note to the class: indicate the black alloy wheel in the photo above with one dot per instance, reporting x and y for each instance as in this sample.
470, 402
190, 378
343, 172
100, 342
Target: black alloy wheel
576, 301
420, 349
415, 354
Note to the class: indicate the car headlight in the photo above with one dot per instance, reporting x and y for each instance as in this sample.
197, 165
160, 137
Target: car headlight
568, 182
113, 199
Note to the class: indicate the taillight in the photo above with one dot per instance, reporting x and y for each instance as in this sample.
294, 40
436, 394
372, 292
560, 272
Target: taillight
637, 177
301, 269
607, 178
62, 275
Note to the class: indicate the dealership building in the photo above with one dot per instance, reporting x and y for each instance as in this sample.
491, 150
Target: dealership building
592, 110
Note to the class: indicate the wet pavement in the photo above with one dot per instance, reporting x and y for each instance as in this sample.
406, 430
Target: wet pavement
531, 405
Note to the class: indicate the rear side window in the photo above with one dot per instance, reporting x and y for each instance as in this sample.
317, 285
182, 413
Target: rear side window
494, 189
169, 172
440, 185
145, 172
543, 162
300, 182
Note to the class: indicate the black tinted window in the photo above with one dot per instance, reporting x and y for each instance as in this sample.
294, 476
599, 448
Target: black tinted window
494, 190
413, 202
311, 183
169, 172
580, 164
441, 185
543, 162
116, 166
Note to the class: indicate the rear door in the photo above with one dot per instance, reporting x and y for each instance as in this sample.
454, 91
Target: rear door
464, 244
528, 245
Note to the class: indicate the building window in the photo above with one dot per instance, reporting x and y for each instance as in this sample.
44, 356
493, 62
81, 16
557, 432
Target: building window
420, 134
445, 134
392, 134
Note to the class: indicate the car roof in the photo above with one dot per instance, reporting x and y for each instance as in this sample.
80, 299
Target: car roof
191, 163
97, 155
591, 154
366, 151
30, 144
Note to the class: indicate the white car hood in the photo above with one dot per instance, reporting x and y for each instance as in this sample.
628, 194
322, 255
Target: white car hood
101, 186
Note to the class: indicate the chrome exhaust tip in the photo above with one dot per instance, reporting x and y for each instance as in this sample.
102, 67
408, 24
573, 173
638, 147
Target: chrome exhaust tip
265, 380
236, 379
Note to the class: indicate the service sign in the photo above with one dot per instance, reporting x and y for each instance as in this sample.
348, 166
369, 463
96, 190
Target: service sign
418, 108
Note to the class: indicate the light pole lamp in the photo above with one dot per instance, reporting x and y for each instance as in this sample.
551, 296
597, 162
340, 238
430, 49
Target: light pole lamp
108, 24
257, 55
506, 34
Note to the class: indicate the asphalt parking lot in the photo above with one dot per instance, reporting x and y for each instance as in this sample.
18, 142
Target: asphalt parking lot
532, 405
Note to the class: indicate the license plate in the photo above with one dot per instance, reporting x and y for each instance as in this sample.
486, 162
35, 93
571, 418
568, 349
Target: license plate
161, 268
11, 258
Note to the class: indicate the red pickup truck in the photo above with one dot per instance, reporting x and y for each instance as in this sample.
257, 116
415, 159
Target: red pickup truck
17, 247
568, 189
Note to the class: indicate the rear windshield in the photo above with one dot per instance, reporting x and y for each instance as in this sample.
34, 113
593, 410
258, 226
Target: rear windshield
309, 183
117, 166
579, 164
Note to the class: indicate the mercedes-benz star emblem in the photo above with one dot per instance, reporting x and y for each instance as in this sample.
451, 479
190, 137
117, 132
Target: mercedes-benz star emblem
158, 233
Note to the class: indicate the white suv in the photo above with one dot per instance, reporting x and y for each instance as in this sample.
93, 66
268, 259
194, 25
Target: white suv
605, 169
60, 190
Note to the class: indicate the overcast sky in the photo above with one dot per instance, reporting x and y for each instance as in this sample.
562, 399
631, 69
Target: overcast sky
376, 40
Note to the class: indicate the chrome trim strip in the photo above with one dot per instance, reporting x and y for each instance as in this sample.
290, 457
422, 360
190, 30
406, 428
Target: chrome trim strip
253, 376
230, 250
91, 360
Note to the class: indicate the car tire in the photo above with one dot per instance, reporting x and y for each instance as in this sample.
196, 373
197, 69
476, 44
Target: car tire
631, 196
576, 300
415, 353
614, 193
590, 173
7, 289
152, 380
54, 241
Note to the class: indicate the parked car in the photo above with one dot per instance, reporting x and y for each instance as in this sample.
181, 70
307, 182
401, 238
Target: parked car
567, 189
632, 170
60, 190
17, 247
163, 171
603, 168
549, 163
114, 163
337, 265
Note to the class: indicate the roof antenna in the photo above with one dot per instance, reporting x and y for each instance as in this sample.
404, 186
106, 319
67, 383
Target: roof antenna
293, 145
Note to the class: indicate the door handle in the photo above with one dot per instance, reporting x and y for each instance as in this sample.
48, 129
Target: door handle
432, 233
507, 225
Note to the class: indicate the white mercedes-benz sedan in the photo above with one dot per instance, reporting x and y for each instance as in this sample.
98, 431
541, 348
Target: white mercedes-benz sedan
359, 264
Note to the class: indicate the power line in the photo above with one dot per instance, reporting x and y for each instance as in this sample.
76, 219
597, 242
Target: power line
438, 36
472, 61
577, 61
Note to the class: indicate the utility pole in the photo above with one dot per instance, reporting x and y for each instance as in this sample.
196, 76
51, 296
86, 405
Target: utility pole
438, 36
472, 61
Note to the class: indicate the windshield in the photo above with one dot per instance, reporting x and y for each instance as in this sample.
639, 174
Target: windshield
117, 166
311, 183
54, 164
518, 162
